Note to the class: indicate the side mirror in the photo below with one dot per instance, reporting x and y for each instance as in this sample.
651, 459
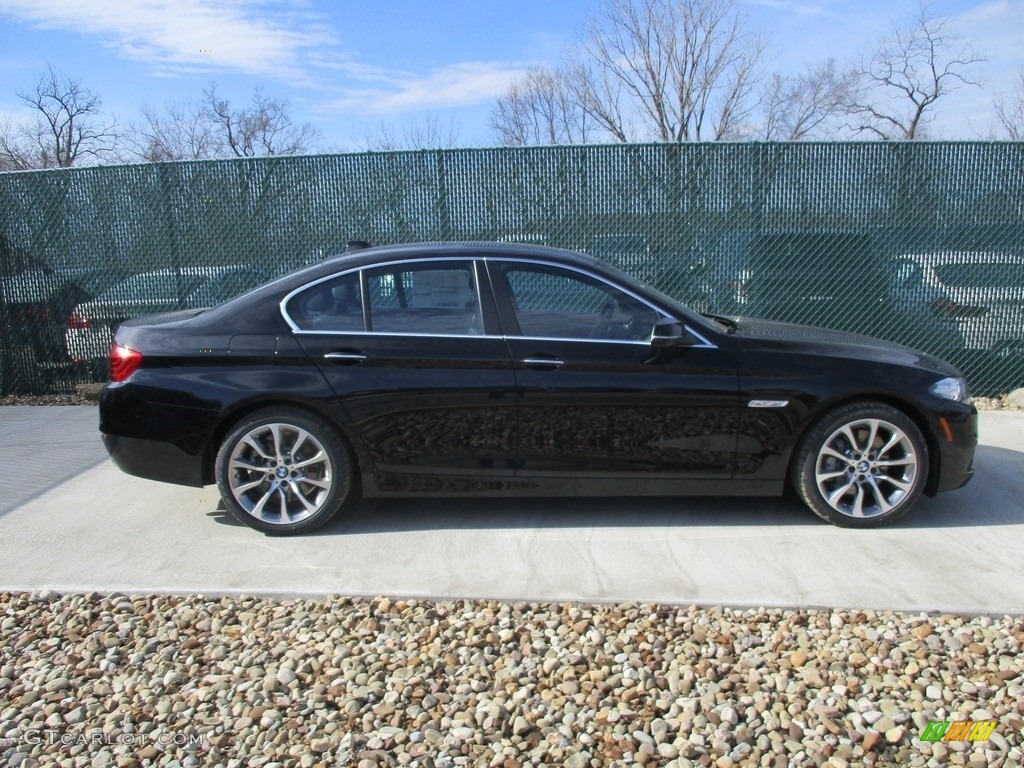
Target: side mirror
671, 333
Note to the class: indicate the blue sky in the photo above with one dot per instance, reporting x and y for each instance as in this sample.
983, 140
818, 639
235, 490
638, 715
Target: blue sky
346, 66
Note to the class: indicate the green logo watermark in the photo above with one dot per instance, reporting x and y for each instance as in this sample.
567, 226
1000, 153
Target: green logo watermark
958, 730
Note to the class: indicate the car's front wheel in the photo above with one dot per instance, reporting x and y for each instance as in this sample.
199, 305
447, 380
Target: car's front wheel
284, 471
861, 465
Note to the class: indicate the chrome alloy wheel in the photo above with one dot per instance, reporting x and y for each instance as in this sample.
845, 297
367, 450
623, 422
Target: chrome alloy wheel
280, 473
866, 468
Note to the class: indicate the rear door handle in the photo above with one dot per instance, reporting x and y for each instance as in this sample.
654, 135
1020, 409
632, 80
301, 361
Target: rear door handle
345, 358
542, 362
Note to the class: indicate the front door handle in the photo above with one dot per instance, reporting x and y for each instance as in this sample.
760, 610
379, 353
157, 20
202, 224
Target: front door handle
542, 363
345, 358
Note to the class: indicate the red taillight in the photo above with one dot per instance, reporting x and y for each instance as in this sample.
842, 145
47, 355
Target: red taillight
76, 320
123, 362
950, 308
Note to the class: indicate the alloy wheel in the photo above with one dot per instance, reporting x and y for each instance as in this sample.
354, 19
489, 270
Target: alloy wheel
280, 473
866, 468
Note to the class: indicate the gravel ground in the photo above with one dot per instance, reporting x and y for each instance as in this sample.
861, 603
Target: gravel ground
87, 680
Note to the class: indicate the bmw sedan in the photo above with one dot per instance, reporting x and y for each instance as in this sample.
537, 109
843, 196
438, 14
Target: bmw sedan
491, 368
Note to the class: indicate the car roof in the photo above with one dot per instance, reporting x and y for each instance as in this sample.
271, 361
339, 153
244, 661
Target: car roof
364, 257
264, 297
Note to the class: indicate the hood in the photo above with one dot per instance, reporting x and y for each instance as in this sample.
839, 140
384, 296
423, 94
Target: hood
825, 341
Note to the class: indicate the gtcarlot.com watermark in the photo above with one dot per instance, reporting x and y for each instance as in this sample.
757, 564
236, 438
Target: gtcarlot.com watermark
50, 737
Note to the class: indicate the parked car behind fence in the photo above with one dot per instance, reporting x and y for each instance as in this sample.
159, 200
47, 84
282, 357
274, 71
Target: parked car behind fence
973, 299
91, 324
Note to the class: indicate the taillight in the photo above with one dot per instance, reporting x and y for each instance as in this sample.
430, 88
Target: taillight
77, 321
950, 308
123, 362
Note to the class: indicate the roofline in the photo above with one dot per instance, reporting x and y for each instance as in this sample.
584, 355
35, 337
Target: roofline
397, 251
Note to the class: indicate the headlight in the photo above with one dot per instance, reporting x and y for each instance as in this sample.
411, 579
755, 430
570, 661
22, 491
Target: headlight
951, 389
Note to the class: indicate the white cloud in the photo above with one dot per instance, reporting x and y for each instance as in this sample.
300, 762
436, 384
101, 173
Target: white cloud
257, 38
994, 29
455, 85
277, 39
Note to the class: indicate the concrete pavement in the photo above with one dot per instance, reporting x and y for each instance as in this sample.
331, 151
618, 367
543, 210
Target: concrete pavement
72, 522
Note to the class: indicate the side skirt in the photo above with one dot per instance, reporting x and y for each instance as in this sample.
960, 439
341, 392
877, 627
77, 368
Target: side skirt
390, 486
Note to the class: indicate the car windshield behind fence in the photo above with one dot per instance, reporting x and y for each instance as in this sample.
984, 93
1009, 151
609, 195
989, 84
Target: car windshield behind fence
985, 275
853, 236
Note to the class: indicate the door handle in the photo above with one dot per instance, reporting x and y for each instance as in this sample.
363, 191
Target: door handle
542, 362
345, 358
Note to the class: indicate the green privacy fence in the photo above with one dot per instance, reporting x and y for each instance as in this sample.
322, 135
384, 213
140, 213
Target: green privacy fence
921, 243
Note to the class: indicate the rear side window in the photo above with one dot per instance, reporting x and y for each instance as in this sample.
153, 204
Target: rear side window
333, 305
426, 298
419, 298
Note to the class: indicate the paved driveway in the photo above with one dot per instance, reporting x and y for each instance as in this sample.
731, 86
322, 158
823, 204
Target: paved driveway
71, 521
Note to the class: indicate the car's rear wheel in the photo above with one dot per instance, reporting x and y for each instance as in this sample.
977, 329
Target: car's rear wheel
861, 465
284, 471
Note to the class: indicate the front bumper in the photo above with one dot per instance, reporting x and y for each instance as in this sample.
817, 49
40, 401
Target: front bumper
956, 438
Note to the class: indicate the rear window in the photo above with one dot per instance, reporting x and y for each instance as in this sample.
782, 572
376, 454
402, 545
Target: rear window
984, 275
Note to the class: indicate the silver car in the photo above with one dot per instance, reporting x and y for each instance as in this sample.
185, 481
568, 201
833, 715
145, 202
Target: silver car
91, 325
971, 299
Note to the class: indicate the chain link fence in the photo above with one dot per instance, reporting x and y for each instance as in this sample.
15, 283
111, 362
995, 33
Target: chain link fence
920, 243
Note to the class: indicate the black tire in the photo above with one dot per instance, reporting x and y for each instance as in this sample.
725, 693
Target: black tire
879, 475
284, 456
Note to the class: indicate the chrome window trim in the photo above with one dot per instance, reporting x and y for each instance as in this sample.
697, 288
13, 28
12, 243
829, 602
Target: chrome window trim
705, 343
291, 294
578, 341
301, 332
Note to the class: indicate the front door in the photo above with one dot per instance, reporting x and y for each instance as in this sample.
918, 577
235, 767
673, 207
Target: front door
595, 398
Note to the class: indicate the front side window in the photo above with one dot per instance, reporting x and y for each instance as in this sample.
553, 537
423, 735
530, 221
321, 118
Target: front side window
555, 303
425, 298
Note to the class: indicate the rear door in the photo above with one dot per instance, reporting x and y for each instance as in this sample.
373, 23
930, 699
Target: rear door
416, 359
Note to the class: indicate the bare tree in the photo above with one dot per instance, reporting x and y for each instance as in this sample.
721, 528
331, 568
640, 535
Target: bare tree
177, 132
1010, 112
431, 132
805, 105
211, 127
540, 109
67, 127
265, 128
17, 151
903, 78
673, 70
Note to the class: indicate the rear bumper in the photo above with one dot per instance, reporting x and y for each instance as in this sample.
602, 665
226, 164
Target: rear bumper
154, 460
129, 422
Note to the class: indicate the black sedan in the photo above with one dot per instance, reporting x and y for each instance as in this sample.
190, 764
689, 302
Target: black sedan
485, 369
